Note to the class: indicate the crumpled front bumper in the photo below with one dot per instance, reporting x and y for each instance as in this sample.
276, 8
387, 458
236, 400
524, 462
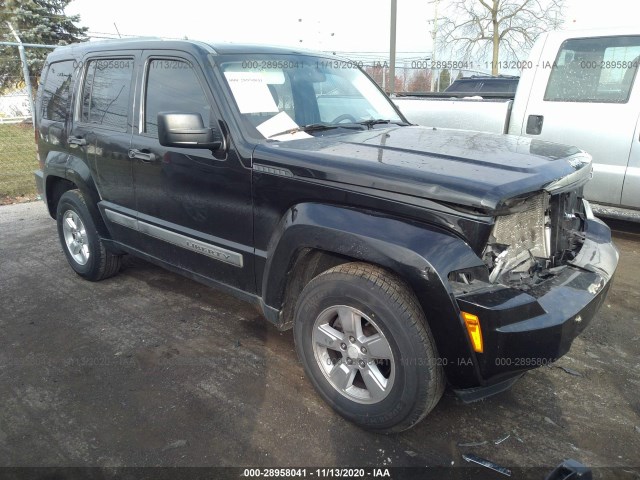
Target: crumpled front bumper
527, 329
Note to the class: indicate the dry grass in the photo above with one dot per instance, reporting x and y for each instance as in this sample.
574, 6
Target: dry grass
17, 160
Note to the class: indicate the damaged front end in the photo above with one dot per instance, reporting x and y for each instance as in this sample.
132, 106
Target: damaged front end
535, 236
548, 265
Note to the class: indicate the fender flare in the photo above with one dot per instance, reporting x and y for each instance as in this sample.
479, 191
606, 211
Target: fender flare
76, 171
423, 255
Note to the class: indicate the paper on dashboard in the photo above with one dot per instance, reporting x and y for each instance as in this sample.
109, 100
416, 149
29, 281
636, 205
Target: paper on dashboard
278, 124
251, 92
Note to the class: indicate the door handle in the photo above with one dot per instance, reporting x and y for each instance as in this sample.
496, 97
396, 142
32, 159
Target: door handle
534, 124
144, 155
79, 141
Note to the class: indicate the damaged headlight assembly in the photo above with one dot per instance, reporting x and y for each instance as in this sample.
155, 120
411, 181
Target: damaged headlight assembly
539, 232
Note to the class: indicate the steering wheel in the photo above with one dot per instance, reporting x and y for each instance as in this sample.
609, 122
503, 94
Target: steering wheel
343, 117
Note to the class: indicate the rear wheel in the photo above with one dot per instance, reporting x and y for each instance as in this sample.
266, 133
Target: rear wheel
80, 240
366, 347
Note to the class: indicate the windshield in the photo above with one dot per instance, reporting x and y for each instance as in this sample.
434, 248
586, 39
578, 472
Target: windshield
285, 96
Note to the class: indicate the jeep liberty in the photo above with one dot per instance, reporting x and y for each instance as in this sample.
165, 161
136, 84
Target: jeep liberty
405, 258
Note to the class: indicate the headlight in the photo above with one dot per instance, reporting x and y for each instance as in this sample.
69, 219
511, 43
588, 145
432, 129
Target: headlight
519, 238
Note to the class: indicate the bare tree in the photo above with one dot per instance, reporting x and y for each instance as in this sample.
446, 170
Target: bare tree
472, 27
420, 81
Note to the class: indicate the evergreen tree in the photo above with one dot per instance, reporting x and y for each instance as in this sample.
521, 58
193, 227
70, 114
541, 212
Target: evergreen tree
35, 21
445, 79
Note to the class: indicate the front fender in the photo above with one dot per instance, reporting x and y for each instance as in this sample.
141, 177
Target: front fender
423, 255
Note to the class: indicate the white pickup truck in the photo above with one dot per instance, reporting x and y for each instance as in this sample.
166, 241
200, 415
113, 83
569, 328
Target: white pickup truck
577, 87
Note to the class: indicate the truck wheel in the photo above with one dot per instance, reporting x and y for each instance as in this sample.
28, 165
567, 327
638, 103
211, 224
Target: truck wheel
80, 240
365, 345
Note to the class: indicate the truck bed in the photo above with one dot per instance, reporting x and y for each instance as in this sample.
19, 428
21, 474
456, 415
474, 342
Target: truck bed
472, 113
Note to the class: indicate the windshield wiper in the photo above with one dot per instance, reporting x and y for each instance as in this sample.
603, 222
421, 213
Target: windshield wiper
374, 121
379, 121
305, 128
314, 127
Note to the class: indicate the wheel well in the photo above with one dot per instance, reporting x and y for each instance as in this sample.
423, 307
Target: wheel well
56, 186
308, 264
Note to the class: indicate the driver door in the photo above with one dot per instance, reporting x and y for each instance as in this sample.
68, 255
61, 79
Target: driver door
194, 206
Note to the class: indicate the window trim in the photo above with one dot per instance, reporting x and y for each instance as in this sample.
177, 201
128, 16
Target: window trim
86, 61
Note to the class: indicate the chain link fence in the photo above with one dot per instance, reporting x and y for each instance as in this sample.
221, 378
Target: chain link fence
17, 144
17, 140
412, 80
17, 147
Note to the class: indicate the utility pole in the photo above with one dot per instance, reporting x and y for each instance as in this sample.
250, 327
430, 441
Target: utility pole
25, 70
434, 38
392, 48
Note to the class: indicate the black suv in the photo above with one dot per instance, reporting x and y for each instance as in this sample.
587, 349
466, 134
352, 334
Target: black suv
403, 257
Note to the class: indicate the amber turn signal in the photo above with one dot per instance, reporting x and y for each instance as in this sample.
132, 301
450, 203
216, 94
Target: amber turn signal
473, 329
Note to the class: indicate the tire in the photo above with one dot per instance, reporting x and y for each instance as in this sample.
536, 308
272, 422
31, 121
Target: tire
396, 380
81, 243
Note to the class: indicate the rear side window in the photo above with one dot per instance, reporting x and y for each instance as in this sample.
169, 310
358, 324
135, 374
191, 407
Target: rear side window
499, 86
57, 91
463, 86
598, 70
105, 94
172, 86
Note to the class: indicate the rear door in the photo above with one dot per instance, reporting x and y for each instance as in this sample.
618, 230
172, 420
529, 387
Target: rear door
194, 206
102, 130
586, 98
54, 111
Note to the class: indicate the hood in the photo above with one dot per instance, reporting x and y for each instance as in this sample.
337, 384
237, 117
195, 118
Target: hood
470, 169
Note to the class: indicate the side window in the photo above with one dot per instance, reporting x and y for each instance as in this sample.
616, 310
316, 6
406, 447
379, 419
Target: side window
172, 86
464, 86
498, 87
57, 91
105, 95
598, 70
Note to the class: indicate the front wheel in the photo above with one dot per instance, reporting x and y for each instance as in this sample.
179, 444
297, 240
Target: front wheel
80, 240
366, 347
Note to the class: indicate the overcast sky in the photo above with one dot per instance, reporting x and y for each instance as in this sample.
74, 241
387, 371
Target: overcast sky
332, 25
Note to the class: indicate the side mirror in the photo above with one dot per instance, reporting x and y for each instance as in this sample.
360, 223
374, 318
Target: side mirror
187, 130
